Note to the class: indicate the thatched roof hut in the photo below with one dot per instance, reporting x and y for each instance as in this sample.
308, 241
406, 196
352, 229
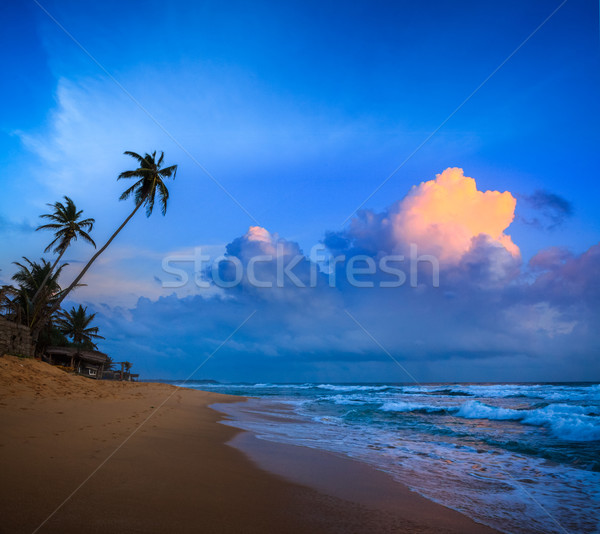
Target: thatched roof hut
85, 362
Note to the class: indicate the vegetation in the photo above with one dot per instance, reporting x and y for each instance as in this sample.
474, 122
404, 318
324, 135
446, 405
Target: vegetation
35, 298
68, 226
149, 185
75, 324
36, 293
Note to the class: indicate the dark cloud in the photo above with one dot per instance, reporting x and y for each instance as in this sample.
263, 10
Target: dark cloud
570, 281
549, 258
553, 209
369, 233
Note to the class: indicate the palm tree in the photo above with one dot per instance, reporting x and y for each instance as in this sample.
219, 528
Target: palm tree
151, 182
29, 278
8, 304
109, 364
76, 325
68, 226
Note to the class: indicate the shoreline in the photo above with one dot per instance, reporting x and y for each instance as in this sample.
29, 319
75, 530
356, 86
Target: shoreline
353, 481
175, 473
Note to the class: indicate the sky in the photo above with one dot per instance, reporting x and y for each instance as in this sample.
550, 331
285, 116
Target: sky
382, 133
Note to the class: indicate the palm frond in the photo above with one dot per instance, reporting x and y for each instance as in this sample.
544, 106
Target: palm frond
128, 192
169, 172
164, 197
86, 237
134, 155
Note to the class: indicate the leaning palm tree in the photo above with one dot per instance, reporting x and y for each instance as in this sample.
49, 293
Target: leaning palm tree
68, 226
76, 325
150, 183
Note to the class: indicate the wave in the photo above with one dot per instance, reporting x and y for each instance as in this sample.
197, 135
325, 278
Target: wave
588, 392
548, 392
565, 421
479, 410
573, 423
342, 387
451, 393
401, 406
350, 400
535, 391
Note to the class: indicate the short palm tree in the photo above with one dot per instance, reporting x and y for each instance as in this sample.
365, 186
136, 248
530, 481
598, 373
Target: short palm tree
76, 325
68, 225
8, 303
126, 370
150, 183
30, 277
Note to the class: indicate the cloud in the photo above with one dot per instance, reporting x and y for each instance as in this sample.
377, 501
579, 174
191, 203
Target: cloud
449, 218
540, 318
444, 216
273, 268
213, 112
88, 124
553, 208
568, 280
549, 258
452, 332
124, 273
8, 226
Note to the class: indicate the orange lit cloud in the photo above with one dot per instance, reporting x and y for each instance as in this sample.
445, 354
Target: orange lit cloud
444, 215
258, 233
265, 241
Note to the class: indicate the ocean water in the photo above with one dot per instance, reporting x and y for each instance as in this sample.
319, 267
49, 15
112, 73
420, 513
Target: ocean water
523, 458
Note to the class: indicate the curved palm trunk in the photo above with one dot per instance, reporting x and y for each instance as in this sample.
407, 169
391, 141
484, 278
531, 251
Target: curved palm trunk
47, 277
35, 332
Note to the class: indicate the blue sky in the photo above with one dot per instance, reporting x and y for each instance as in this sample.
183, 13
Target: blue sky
301, 110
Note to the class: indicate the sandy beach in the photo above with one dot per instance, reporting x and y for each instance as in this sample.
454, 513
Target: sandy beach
79, 455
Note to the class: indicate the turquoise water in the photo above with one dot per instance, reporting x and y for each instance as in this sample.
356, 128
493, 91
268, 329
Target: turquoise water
522, 458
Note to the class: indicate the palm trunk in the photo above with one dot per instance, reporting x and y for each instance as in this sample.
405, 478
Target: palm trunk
56, 305
47, 277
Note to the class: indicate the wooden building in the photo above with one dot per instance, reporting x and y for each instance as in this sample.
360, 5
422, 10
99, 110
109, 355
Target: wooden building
88, 363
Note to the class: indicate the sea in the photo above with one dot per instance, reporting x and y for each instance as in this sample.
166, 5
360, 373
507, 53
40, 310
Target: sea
522, 458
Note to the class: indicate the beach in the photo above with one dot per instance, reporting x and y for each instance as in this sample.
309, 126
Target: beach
83, 455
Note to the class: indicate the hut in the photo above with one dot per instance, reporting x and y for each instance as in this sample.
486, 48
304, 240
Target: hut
88, 363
